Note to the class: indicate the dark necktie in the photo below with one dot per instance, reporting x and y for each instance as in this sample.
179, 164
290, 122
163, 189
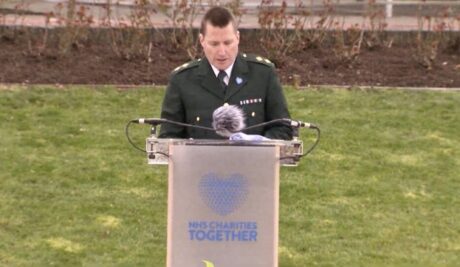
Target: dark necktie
221, 76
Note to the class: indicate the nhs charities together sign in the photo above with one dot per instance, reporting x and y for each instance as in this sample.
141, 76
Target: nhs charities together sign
223, 211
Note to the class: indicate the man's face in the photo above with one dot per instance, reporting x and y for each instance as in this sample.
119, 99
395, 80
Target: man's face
220, 45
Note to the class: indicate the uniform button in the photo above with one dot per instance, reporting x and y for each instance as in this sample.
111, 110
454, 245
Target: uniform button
253, 114
225, 104
197, 118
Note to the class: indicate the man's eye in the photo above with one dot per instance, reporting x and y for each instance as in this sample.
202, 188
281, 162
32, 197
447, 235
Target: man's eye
228, 42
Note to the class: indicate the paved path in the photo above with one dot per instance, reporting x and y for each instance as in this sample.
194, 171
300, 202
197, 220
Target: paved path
36, 9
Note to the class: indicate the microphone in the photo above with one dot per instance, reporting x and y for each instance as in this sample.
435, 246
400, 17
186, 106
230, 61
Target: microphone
227, 120
153, 121
301, 124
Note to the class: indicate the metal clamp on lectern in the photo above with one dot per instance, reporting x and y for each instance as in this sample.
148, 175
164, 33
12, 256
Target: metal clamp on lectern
158, 149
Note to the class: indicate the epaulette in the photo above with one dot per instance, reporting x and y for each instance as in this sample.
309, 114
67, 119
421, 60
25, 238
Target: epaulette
258, 59
187, 65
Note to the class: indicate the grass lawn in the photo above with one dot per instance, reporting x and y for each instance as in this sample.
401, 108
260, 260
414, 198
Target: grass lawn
381, 189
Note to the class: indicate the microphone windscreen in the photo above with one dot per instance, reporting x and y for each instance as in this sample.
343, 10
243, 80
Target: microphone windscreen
227, 120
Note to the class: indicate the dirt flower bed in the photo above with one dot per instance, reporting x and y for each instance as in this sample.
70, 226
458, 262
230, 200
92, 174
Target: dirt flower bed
28, 56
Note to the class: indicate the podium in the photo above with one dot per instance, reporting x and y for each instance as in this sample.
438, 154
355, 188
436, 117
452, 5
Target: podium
222, 200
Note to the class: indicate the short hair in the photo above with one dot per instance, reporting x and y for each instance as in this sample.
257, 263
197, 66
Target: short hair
218, 17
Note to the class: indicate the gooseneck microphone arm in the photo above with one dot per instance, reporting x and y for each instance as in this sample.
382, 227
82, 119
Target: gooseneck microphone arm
287, 122
156, 122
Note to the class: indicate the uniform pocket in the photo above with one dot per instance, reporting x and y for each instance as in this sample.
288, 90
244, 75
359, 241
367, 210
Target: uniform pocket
254, 115
203, 119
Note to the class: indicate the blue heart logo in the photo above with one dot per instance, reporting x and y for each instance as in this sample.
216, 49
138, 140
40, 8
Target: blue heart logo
223, 195
239, 80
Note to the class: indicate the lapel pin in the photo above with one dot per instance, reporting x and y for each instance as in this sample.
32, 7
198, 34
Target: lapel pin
239, 80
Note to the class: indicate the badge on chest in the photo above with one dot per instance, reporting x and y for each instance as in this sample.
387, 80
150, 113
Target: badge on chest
250, 101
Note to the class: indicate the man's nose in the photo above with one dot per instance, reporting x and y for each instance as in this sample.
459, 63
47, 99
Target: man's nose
221, 50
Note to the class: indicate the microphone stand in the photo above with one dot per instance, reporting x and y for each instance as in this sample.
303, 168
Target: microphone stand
153, 129
295, 125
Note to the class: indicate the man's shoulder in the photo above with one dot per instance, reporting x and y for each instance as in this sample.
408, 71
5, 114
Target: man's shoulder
186, 66
258, 60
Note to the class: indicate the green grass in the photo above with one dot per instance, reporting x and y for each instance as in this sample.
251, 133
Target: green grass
381, 189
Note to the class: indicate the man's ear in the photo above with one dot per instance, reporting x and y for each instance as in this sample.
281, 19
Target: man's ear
201, 38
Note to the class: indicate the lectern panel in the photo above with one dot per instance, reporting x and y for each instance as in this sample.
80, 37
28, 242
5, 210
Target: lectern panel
223, 206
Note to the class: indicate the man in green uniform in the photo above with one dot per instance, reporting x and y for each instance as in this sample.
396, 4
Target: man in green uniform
223, 77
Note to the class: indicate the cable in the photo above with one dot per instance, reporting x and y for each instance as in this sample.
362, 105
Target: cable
129, 139
318, 136
161, 153
135, 146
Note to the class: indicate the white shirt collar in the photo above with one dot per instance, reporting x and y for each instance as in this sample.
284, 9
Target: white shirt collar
227, 70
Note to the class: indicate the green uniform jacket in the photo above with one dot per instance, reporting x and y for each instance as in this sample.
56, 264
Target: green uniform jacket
194, 92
